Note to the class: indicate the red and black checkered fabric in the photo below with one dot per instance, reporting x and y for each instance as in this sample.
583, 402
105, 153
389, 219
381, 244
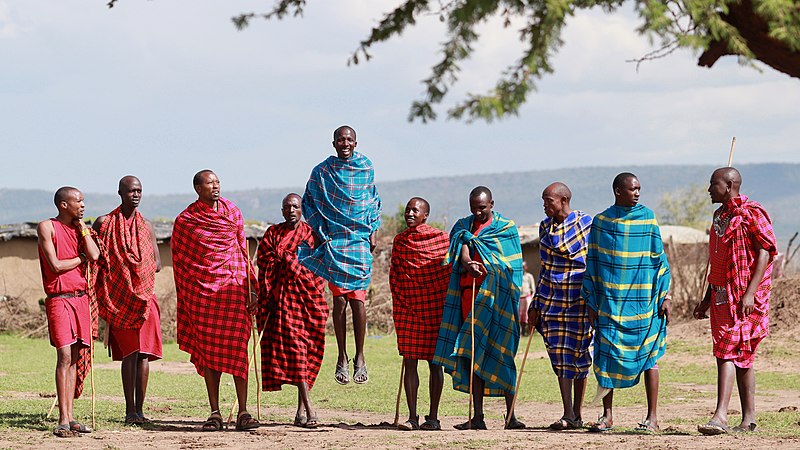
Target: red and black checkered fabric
84, 365
210, 268
749, 228
292, 302
418, 281
127, 271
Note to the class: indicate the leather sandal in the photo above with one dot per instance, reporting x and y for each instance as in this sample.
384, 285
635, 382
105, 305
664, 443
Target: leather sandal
409, 425
246, 422
342, 374
431, 424
213, 423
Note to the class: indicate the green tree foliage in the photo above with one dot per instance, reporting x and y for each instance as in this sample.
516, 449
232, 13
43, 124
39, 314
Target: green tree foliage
689, 207
764, 30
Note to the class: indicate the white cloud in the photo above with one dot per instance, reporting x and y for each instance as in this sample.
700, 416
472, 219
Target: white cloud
10, 27
162, 88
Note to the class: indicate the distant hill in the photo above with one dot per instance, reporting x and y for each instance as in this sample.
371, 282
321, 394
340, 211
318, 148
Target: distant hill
517, 194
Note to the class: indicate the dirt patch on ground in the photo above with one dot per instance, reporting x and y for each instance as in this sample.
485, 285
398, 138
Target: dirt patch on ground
373, 431
171, 367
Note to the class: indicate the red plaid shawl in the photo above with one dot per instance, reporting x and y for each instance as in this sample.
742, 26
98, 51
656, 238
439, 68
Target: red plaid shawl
294, 337
418, 281
127, 274
749, 224
210, 268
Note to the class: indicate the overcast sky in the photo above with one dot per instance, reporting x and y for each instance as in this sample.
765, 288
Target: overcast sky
163, 88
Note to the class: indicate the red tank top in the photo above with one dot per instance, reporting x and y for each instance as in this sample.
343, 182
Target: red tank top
719, 254
466, 280
65, 241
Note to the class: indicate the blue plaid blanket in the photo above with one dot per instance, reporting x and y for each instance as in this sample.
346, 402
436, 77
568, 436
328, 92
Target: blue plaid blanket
564, 322
627, 277
342, 205
496, 309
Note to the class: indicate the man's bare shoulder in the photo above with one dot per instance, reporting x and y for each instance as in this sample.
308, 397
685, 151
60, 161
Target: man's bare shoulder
45, 228
99, 222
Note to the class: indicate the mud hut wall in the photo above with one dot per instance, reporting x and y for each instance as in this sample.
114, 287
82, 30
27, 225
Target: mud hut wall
530, 254
20, 275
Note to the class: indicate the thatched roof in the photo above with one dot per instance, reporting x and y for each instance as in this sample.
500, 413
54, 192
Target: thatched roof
683, 235
163, 230
17, 230
528, 234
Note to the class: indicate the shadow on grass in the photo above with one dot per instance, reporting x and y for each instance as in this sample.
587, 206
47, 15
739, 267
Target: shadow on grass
24, 420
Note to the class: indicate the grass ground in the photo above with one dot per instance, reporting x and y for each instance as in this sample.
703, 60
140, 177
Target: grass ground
687, 373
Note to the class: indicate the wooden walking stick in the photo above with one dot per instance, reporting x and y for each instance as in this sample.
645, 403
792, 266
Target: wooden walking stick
91, 375
519, 378
52, 407
256, 340
471, 356
249, 365
399, 391
708, 261
255, 371
252, 360
91, 337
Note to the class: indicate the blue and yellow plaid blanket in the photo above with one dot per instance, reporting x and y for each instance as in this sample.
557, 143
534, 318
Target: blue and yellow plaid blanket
627, 277
496, 309
342, 205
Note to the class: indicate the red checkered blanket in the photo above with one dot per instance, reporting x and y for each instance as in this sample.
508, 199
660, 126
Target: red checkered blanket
749, 225
292, 302
210, 268
418, 282
84, 365
127, 272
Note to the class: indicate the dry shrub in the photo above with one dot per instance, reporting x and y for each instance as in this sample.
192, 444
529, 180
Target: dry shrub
167, 303
379, 296
19, 317
687, 263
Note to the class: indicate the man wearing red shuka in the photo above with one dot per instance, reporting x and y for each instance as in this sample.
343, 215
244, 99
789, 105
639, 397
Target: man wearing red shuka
741, 249
209, 259
126, 295
66, 247
418, 279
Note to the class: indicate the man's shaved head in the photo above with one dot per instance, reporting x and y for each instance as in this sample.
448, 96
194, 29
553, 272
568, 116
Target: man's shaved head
724, 185
198, 177
481, 204
342, 128
423, 202
63, 194
555, 199
479, 191
729, 174
126, 181
292, 209
291, 195
619, 180
560, 190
